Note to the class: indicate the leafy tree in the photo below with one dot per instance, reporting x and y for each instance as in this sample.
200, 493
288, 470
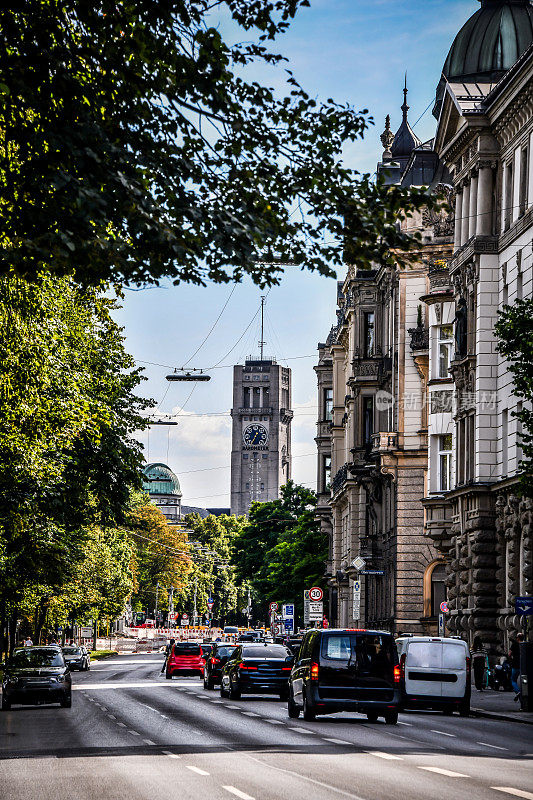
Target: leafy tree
281, 550
161, 554
68, 410
133, 148
514, 330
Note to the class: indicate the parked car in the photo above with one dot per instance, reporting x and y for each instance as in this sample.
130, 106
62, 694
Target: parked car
346, 670
36, 675
219, 655
76, 658
256, 669
435, 673
185, 659
206, 648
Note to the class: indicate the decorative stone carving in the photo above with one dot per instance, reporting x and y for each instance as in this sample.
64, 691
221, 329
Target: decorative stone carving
441, 222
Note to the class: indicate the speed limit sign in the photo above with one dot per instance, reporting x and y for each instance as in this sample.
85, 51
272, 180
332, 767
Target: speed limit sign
273, 607
316, 594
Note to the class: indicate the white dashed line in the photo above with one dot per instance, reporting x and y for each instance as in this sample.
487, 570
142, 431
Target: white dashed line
274, 722
407, 724
218, 702
197, 770
515, 792
121, 724
443, 733
386, 756
250, 714
134, 733
169, 754
494, 746
148, 741
302, 730
447, 772
111, 716
234, 708
238, 793
336, 741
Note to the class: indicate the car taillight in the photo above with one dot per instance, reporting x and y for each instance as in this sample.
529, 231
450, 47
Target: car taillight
397, 673
286, 669
314, 671
244, 666
402, 666
215, 661
468, 665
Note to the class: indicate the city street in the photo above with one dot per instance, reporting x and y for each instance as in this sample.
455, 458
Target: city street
131, 734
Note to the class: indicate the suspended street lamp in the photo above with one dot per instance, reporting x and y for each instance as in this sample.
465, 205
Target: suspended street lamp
188, 375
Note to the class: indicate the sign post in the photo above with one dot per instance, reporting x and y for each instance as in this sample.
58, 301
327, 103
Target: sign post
356, 600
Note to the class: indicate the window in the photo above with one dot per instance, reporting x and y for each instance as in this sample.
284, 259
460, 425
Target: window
369, 333
524, 169
505, 446
247, 485
368, 420
328, 404
262, 487
445, 462
445, 350
256, 397
266, 397
326, 473
438, 588
264, 456
245, 456
246, 397
519, 286
508, 207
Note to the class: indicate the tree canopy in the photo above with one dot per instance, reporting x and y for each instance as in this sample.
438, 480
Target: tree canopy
135, 148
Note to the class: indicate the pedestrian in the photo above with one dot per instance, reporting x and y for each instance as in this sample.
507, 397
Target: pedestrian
28, 642
168, 650
514, 658
479, 663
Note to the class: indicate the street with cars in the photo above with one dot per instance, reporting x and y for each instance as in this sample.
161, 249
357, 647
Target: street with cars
132, 733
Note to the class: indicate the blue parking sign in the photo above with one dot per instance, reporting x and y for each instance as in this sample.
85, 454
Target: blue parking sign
289, 624
524, 606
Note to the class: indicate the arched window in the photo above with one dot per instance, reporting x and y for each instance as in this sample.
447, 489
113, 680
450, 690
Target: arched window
434, 588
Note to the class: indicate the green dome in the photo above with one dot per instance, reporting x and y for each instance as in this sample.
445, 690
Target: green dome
488, 44
159, 479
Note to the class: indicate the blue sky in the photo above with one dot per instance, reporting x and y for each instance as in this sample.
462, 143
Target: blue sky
350, 50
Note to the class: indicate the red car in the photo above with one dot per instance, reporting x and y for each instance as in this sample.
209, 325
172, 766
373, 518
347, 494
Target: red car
186, 658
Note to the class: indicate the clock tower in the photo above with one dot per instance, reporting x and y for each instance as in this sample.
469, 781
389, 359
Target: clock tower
261, 443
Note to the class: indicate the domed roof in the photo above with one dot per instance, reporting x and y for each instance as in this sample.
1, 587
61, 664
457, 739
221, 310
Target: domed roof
489, 43
159, 479
405, 140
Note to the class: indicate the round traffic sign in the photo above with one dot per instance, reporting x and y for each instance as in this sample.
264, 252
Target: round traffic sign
273, 606
184, 617
316, 594
444, 607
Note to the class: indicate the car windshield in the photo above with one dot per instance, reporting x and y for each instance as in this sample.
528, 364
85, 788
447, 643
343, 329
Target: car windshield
262, 651
72, 651
37, 658
186, 649
222, 652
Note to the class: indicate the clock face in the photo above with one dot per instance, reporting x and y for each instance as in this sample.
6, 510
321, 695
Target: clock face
255, 435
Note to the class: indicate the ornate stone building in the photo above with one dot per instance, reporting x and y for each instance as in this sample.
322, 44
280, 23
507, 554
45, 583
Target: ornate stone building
372, 427
484, 136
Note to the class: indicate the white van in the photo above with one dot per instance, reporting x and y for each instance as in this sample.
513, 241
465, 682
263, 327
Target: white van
435, 673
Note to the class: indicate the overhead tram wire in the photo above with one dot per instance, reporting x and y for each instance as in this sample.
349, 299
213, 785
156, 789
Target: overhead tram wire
215, 323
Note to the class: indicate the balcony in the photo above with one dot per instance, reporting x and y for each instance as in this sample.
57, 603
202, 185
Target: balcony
419, 338
258, 412
339, 479
384, 442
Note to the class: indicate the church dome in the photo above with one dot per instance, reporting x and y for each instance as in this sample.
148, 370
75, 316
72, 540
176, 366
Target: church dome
159, 479
489, 43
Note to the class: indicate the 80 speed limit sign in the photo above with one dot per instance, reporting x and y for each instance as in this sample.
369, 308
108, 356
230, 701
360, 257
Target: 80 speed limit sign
316, 594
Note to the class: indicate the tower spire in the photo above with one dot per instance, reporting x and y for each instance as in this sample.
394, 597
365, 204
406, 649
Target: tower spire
405, 107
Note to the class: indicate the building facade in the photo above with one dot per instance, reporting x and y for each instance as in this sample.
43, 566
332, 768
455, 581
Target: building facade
372, 435
261, 435
475, 514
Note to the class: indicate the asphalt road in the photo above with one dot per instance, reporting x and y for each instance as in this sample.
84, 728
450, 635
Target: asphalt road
132, 735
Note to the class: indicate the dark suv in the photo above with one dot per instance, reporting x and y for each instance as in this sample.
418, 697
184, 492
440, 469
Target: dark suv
35, 675
346, 670
214, 662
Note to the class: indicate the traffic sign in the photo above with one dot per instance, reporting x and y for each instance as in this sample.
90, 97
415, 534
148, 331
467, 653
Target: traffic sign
288, 610
289, 625
316, 594
316, 612
442, 628
359, 563
210, 603
273, 607
524, 606
444, 607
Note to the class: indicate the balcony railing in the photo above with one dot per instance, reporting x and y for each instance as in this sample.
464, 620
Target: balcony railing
339, 479
419, 338
384, 442
256, 411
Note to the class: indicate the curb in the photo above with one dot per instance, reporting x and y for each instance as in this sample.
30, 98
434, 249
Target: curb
480, 712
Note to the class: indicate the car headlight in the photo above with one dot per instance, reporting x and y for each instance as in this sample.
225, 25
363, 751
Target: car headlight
58, 679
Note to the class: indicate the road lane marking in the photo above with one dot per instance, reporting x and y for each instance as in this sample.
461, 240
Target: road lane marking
336, 741
121, 724
250, 714
218, 702
111, 716
447, 772
238, 793
148, 741
126, 685
407, 724
443, 733
515, 792
274, 721
303, 777
302, 730
234, 708
494, 746
169, 754
197, 770
386, 756
134, 733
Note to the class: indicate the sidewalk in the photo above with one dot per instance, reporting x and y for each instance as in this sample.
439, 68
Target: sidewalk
498, 705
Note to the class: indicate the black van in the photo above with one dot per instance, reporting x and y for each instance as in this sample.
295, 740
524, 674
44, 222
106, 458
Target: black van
346, 670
